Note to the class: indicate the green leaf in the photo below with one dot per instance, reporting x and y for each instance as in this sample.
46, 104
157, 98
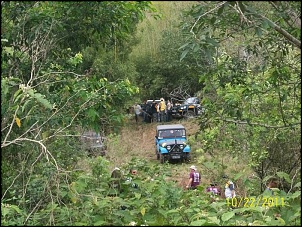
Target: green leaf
214, 220
183, 46
196, 48
227, 216
298, 185
16, 208
220, 10
16, 95
258, 31
297, 194
92, 114
4, 87
8, 50
172, 211
183, 54
270, 23
284, 175
242, 6
24, 105
98, 223
4, 211
213, 20
265, 24
213, 42
198, 222
39, 97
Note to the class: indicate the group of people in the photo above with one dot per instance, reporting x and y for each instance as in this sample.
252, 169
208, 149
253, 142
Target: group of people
118, 178
194, 181
155, 111
229, 187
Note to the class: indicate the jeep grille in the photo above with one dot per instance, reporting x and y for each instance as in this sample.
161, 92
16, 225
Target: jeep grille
175, 148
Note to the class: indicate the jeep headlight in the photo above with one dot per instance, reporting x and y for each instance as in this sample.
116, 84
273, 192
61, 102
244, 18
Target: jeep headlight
182, 107
168, 147
164, 144
181, 146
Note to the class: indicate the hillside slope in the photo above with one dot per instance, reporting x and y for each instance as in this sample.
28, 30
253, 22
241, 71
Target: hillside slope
137, 140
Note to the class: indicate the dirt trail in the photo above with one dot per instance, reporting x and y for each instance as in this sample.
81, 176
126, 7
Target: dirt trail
137, 140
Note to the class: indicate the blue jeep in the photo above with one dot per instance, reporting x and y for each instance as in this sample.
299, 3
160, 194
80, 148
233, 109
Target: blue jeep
171, 143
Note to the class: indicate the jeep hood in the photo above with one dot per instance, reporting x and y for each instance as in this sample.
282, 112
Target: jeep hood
165, 142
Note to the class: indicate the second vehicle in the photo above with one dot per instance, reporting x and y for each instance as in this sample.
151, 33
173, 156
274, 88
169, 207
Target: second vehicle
189, 108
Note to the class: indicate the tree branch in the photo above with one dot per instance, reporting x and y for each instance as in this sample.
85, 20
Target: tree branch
216, 7
260, 124
288, 36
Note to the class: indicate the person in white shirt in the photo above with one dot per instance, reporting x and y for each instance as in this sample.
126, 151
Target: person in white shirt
229, 189
137, 111
169, 109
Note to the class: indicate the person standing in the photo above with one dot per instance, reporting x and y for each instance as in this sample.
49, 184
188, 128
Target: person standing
115, 183
229, 189
154, 111
168, 110
194, 178
157, 111
144, 113
137, 111
162, 110
148, 112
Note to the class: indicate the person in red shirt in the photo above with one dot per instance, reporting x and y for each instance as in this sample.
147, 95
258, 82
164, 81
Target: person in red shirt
213, 189
194, 179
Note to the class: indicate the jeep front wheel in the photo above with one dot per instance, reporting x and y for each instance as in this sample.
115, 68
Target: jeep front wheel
157, 156
162, 158
187, 158
190, 114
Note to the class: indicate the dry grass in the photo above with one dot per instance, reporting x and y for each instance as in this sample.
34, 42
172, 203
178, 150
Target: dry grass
137, 140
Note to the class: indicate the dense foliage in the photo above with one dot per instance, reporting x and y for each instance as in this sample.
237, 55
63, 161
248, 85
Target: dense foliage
71, 66
254, 82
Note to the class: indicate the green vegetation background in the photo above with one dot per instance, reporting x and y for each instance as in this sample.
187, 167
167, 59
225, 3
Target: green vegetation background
71, 66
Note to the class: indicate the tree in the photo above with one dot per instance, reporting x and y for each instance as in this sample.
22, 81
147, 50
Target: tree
254, 81
47, 98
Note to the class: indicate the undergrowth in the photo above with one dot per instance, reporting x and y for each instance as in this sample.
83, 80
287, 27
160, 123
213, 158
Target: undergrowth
85, 196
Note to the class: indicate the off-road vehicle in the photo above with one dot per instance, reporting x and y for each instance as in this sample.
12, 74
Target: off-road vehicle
171, 143
93, 143
189, 108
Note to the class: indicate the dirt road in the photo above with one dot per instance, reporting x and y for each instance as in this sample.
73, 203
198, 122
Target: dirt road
137, 140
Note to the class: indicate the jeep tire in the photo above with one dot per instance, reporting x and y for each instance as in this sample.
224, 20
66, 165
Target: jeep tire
187, 158
190, 114
162, 158
157, 156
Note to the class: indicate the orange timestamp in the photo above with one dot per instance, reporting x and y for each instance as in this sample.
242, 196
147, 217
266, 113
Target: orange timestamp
248, 202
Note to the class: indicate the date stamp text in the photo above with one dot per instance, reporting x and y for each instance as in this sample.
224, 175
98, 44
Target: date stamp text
248, 202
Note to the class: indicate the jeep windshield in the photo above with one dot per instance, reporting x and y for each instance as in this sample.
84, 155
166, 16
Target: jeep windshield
171, 133
191, 100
